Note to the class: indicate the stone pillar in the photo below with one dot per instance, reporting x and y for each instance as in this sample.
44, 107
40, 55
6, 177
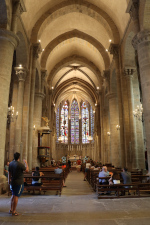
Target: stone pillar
37, 122
8, 42
36, 50
132, 154
141, 42
43, 77
114, 49
114, 133
21, 73
18, 7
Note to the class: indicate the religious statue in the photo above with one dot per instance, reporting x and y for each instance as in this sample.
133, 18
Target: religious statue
46, 120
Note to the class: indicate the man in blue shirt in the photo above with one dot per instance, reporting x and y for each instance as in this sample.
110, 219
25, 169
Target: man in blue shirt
103, 173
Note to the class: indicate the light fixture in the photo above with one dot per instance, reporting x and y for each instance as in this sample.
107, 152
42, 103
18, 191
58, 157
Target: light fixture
10, 115
138, 112
106, 50
39, 41
118, 127
43, 50
54, 104
108, 133
34, 127
60, 139
90, 139
95, 104
110, 40
94, 111
52, 88
20, 65
97, 88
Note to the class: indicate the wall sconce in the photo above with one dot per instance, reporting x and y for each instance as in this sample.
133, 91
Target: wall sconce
118, 127
34, 127
108, 133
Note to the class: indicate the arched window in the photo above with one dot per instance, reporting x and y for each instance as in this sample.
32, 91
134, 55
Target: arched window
57, 123
85, 123
92, 121
64, 123
74, 122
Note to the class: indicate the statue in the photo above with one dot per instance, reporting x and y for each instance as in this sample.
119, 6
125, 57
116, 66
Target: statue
46, 120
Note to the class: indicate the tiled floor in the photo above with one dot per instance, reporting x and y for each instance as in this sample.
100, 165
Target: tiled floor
78, 205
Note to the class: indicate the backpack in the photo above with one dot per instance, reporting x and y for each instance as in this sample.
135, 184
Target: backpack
36, 173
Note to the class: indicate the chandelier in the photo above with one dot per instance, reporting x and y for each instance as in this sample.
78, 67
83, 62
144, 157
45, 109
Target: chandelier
10, 115
138, 112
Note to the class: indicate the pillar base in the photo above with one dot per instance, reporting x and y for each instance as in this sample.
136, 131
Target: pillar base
3, 184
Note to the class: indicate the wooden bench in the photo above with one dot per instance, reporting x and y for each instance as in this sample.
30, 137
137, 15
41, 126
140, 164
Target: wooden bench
51, 182
115, 190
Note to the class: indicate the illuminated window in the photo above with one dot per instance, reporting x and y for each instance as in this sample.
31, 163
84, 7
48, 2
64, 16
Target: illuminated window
74, 122
57, 123
64, 123
92, 121
85, 123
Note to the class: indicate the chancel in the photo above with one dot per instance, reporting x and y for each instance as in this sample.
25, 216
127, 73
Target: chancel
75, 89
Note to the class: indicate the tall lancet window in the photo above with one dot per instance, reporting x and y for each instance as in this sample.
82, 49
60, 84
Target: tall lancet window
64, 123
74, 122
92, 121
85, 123
57, 123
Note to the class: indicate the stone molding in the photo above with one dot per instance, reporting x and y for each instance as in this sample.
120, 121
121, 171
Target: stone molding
18, 7
111, 95
10, 37
40, 95
142, 36
129, 71
21, 73
114, 50
37, 49
133, 9
43, 74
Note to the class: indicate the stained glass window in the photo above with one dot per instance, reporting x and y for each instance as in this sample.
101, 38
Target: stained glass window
74, 122
92, 121
57, 123
85, 123
64, 123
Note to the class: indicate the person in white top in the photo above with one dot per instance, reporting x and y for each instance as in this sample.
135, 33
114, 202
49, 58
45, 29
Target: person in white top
87, 167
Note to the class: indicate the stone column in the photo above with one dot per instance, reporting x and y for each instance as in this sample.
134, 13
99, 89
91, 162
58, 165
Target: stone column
43, 77
21, 74
132, 154
18, 7
37, 122
8, 42
114, 49
114, 133
36, 50
141, 42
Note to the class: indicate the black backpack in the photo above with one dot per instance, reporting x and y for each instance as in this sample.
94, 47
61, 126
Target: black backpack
36, 173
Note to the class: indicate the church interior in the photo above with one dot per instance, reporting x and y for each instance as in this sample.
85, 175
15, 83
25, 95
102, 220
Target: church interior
74, 82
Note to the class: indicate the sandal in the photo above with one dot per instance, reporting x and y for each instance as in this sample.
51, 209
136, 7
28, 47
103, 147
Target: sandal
15, 214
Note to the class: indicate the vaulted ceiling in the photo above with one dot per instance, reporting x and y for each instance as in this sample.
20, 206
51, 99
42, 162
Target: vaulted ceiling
75, 35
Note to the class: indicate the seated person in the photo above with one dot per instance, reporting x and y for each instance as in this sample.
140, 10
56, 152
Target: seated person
63, 166
59, 171
78, 165
37, 181
103, 173
126, 179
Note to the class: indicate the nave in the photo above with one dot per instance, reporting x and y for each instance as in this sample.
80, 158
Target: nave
77, 205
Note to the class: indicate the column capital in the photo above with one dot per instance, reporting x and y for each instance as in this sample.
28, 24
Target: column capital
129, 71
111, 95
114, 50
37, 49
142, 36
43, 74
18, 7
40, 95
9, 36
133, 9
21, 73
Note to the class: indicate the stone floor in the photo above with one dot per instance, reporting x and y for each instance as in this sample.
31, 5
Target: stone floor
78, 205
